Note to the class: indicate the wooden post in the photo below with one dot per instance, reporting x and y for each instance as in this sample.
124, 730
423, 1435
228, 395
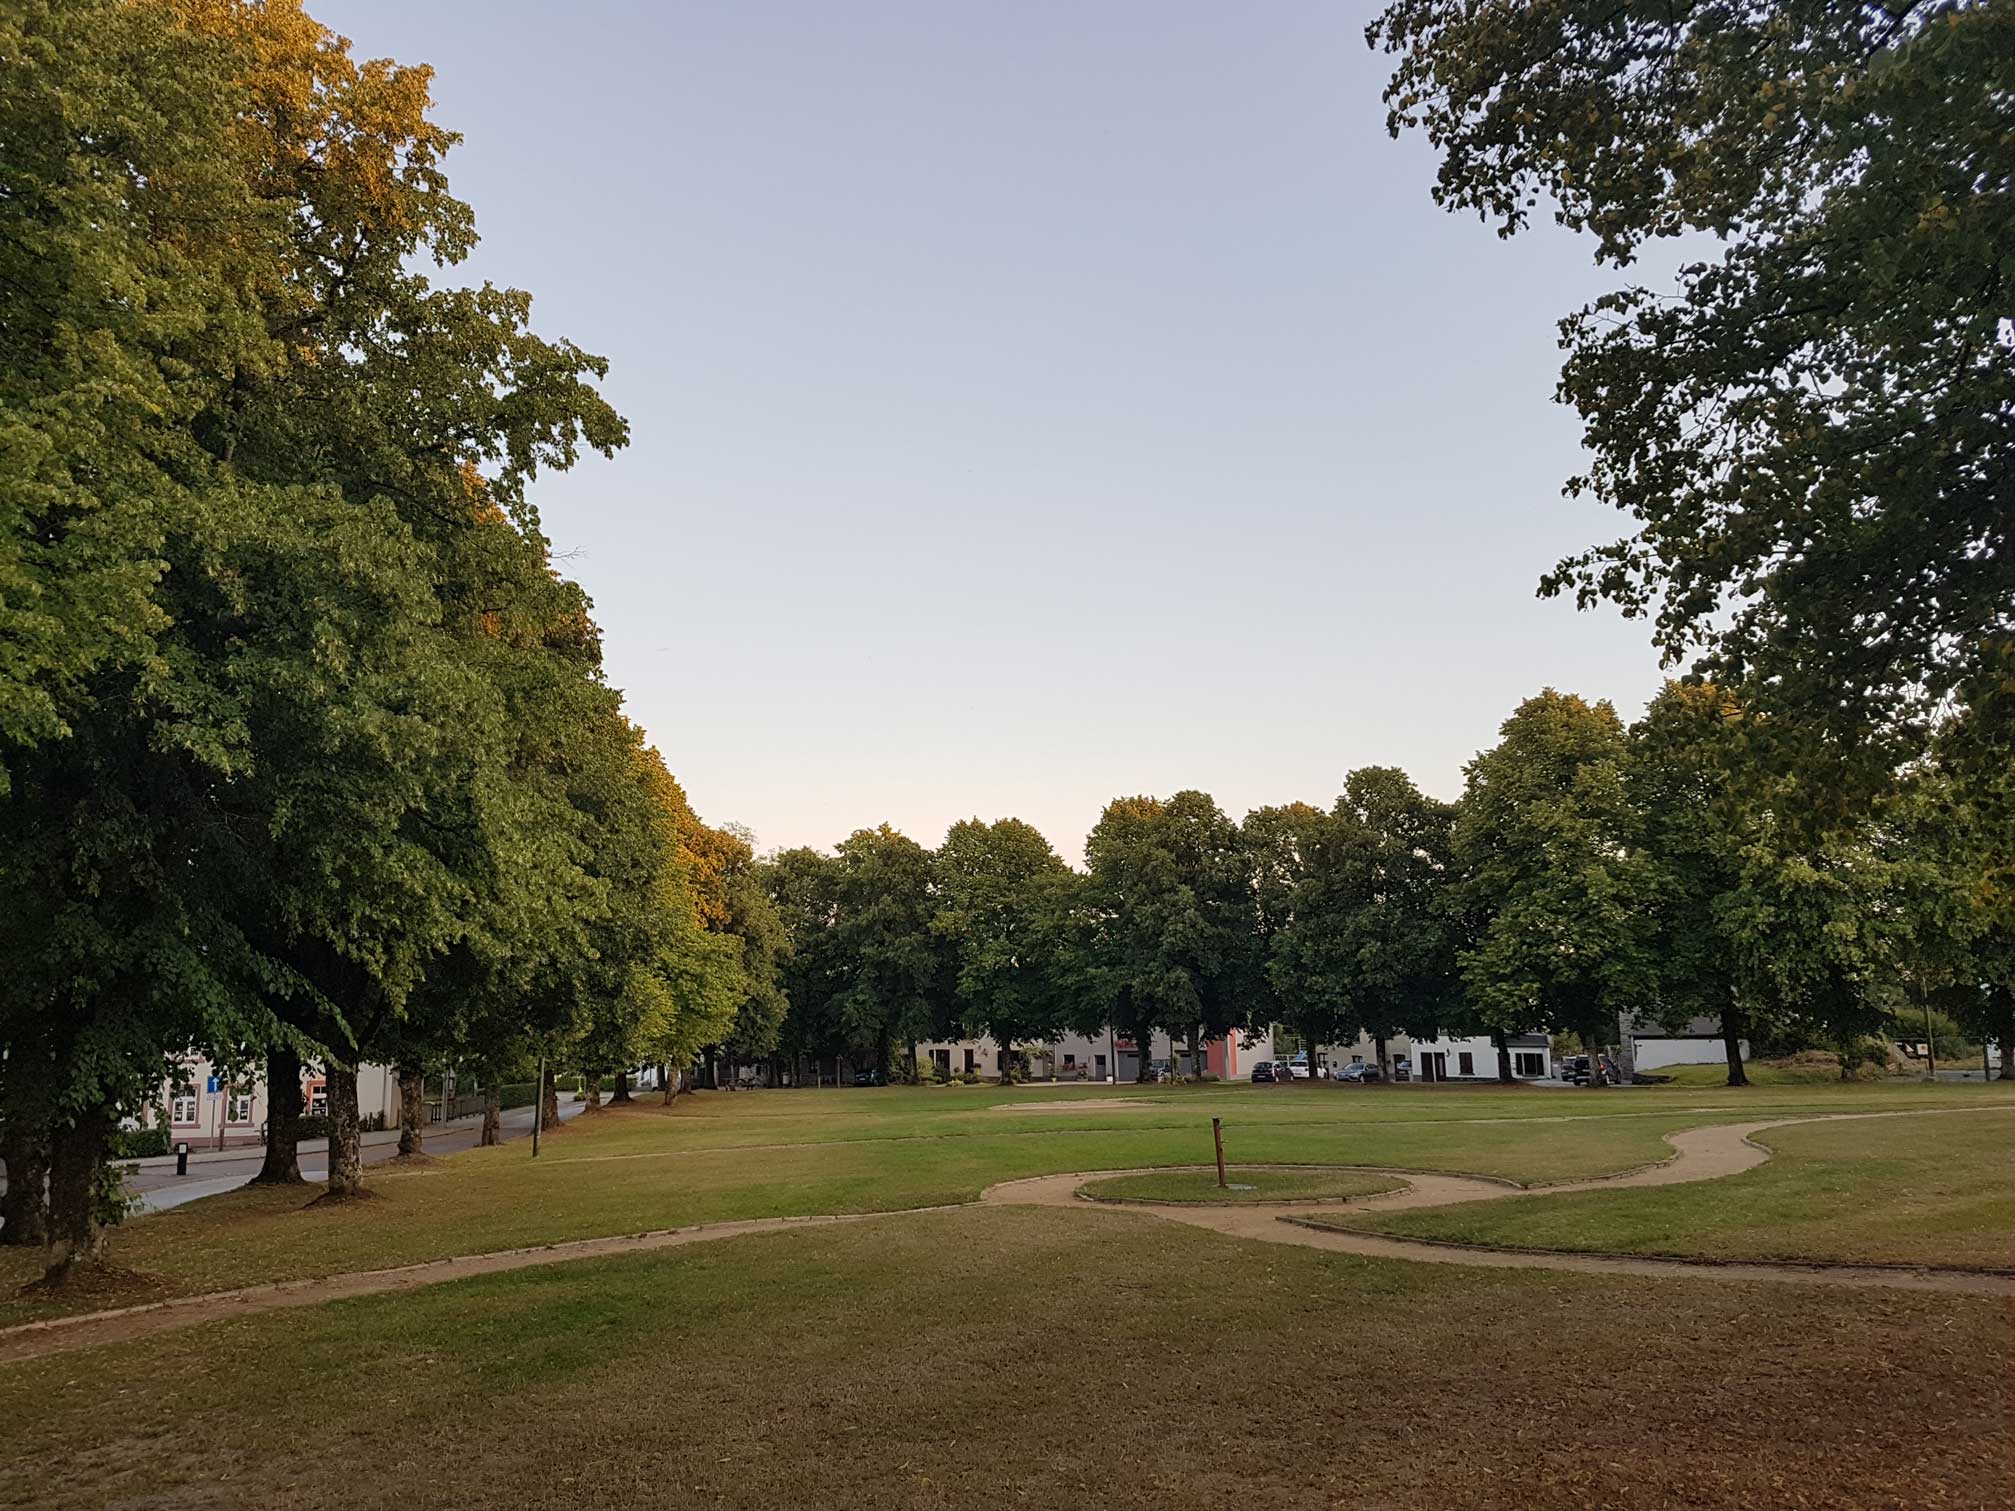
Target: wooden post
1217, 1137
538, 1105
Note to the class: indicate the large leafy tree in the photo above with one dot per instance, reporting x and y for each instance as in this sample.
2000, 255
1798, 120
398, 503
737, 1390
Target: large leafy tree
803, 886
1973, 821
893, 979
281, 589
1372, 944
1544, 842
1812, 431
1169, 920
1000, 890
1746, 916
125, 313
1281, 844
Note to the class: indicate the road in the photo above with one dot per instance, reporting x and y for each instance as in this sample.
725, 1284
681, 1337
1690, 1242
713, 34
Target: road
159, 1187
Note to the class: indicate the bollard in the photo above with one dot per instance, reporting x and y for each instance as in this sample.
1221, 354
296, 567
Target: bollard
182, 1159
1217, 1137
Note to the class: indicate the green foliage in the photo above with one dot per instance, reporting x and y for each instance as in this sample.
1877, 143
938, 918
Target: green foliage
1747, 916
1366, 936
1550, 881
893, 970
138, 1143
1004, 899
1810, 434
1169, 935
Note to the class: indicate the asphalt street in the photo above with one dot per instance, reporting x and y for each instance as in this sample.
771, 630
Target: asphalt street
159, 1187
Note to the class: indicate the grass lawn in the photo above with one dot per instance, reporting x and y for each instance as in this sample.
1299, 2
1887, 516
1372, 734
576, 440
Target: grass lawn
727, 1156
1902, 1190
1701, 1077
1000, 1357
1246, 1184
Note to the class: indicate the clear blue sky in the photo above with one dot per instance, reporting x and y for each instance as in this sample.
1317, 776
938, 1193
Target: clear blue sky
1031, 404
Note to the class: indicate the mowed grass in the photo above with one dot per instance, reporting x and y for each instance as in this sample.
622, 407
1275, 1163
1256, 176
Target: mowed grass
723, 1157
1244, 1184
1075, 1357
1931, 1190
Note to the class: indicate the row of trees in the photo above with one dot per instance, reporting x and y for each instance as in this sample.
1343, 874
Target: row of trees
306, 754
1809, 432
1672, 870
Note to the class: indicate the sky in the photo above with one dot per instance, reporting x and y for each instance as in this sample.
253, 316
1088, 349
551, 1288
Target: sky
1030, 405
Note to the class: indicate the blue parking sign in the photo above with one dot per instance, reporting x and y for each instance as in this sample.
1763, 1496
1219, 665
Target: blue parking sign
213, 1086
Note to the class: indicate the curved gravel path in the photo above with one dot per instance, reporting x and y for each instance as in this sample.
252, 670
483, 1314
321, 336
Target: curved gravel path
1698, 1154
1705, 1153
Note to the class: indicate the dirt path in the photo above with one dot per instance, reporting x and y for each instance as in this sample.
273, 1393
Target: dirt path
1705, 1153
1698, 1154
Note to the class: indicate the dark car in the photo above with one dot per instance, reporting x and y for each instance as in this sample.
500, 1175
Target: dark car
870, 1078
1262, 1074
1359, 1070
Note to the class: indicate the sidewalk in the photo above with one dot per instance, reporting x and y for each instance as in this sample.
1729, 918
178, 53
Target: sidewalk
155, 1185
257, 1148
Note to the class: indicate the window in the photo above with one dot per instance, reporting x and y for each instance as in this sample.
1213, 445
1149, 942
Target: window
1070, 1062
183, 1113
1529, 1064
1465, 1063
239, 1108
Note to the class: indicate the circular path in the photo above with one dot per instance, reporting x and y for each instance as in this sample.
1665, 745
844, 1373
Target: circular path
1706, 1153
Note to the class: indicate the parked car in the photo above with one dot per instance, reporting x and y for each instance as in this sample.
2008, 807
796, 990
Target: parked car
1359, 1071
870, 1078
1402, 1069
1263, 1074
1574, 1069
1298, 1067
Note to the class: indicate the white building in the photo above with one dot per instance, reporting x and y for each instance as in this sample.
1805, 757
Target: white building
1647, 1045
1109, 1057
210, 1109
1444, 1058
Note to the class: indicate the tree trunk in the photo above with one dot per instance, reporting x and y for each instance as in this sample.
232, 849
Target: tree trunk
1503, 1043
1143, 1044
283, 1120
549, 1102
591, 1086
346, 1138
493, 1117
412, 1110
1591, 1042
2005, 1040
1196, 1056
882, 1053
1731, 1041
622, 1093
1384, 1061
910, 1072
24, 1210
76, 1155
708, 1078
665, 1083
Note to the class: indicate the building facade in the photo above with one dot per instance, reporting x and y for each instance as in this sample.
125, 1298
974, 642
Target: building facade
210, 1109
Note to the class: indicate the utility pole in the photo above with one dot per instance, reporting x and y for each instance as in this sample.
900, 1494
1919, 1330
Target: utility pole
1217, 1137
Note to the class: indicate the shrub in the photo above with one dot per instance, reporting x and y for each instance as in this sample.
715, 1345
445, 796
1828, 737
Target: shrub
139, 1143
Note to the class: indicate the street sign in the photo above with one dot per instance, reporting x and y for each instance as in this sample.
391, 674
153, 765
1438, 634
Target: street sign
212, 1088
